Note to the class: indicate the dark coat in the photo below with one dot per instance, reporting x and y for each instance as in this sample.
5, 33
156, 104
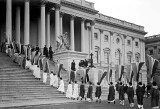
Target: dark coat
154, 96
98, 91
82, 90
111, 95
73, 66
72, 76
121, 92
90, 91
140, 93
130, 92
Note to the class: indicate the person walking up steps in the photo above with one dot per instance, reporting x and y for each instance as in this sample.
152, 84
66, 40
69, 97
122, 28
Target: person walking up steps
121, 93
61, 86
130, 92
140, 93
89, 93
154, 96
82, 91
98, 92
69, 91
111, 95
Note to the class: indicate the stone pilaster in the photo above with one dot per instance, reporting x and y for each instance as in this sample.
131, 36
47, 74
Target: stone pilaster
82, 36
57, 24
26, 22
48, 30
18, 23
133, 53
72, 33
61, 23
92, 35
43, 34
8, 20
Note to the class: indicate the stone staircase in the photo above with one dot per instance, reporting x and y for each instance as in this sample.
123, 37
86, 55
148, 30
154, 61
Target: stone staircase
19, 85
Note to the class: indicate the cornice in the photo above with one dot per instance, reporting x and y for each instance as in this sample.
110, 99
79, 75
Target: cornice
119, 26
78, 7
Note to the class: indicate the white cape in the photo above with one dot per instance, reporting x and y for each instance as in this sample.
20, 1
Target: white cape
75, 91
69, 91
61, 86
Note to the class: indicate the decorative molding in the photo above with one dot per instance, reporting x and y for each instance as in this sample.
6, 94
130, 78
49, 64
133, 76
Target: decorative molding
72, 17
92, 22
43, 2
57, 6
61, 14
101, 31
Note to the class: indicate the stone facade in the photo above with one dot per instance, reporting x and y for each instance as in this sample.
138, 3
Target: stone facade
153, 46
41, 22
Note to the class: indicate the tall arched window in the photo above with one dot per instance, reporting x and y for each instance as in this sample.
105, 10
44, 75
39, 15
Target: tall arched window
118, 57
106, 55
137, 57
97, 53
129, 57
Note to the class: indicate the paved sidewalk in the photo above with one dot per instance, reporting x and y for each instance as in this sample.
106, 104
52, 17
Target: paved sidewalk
37, 102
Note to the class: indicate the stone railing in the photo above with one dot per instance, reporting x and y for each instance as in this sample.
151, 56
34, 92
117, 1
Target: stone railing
152, 37
120, 22
82, 3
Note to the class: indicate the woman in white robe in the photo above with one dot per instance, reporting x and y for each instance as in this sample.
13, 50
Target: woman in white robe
28, 64
61, 86
38, 73
44, 77
69, 91
51, 78
55, 80
75, 91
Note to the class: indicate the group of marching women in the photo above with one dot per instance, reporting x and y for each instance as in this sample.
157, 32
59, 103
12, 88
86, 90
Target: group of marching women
140, 91
73, 92
29, 57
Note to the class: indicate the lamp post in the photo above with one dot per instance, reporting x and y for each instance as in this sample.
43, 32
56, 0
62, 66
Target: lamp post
91, 60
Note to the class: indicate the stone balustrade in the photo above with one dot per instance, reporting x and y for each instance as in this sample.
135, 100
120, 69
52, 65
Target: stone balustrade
82, 3
120, 22
152, 37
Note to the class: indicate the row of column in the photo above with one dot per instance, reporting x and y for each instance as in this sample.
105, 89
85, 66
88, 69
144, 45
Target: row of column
43, 40
9, 22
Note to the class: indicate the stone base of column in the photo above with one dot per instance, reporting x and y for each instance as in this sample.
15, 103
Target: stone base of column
66, 57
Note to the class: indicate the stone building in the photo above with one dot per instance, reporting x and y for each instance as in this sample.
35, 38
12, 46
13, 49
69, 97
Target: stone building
41, 22
153, 46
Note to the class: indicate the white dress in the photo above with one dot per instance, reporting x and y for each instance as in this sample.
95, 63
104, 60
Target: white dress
69, 91
38, 73
75, 91
28, 64
61, 86
55, 81
51, 79
44, 77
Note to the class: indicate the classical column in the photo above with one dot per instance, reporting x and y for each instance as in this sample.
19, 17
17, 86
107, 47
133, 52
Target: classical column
26, 22
89, 37
48, 30
82, 36
61, 23
133, 54
8, 20
57, 25
43, 34
101, 48
39, 32
92, 35
18, 24
124, 51
72, 32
